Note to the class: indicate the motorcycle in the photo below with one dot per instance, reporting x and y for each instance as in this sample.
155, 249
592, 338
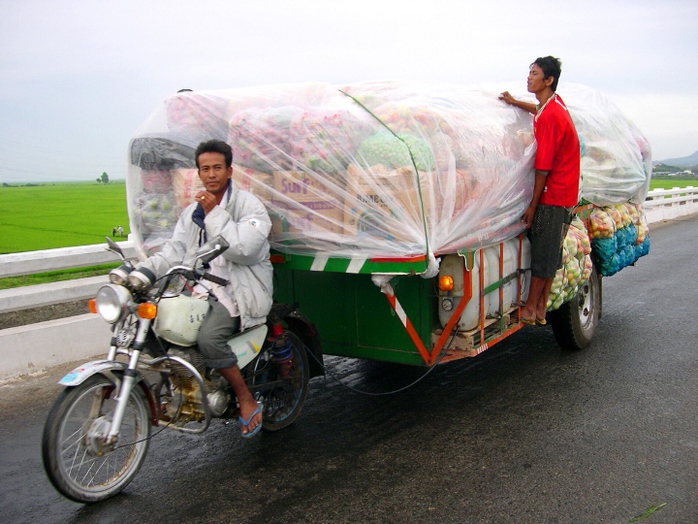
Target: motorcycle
98, 430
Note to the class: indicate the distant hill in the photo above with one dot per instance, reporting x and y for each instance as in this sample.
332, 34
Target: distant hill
686, 161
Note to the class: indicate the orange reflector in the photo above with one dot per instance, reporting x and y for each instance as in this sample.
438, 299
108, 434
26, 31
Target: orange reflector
93, 305
446, 283
147, 310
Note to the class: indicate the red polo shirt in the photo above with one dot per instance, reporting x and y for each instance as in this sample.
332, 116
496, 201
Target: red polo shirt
557, 153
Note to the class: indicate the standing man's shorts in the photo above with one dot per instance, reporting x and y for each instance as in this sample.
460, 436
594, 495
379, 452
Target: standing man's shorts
547, 234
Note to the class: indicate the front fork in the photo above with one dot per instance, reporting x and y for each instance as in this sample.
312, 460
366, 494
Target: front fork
128, 381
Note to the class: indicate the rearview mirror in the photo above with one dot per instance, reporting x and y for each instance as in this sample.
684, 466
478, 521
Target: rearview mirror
212, 249
113, 246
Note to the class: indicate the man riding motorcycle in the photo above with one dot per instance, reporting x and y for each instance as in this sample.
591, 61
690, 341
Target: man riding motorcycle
242, 220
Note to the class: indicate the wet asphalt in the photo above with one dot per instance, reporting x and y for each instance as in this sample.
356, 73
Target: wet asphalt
524, 433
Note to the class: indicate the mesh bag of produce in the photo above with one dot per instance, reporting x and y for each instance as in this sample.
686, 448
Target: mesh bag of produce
577, 265
642, 249
616, 247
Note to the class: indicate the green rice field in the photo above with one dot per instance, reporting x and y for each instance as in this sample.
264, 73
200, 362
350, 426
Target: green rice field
81, 213
670, 183
53, 215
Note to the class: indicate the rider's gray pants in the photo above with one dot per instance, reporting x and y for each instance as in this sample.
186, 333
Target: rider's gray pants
217, 328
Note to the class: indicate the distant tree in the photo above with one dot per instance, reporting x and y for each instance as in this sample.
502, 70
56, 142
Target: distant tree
105, 178
99, 180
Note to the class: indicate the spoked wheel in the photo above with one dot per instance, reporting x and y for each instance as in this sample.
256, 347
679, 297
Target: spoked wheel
78, 461
280, 380
574, 323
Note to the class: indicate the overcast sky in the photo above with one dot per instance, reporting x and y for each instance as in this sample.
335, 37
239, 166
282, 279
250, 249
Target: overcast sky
78, 77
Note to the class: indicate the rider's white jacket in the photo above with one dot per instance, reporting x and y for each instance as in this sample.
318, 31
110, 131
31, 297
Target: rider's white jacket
245, 225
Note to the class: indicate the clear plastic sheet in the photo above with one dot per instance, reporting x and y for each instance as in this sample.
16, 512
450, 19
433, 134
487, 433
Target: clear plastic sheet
372, 169
616, 161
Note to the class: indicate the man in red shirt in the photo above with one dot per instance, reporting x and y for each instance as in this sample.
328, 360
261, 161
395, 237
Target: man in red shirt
556, 188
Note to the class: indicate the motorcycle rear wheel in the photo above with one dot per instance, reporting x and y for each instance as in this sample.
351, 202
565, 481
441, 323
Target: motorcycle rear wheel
282, 388
77, 461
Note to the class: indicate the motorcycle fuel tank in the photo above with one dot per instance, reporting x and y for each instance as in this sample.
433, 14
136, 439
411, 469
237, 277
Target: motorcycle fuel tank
179, 319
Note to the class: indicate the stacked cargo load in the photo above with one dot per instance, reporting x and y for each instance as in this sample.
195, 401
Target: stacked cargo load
379, 170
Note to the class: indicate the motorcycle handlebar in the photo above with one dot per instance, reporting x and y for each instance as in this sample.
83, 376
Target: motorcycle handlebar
215, 279
193, 274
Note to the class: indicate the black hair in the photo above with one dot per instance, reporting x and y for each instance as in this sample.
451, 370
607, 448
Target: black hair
215, 146
551, 66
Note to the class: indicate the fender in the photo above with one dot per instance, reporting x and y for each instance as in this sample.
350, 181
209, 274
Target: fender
107, 368
103, 367
309, 335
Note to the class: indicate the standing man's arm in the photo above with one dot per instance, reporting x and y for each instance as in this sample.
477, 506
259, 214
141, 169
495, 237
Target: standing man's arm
526, 106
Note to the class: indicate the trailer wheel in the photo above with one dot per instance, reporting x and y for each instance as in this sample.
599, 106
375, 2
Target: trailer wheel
574, 323
281, 384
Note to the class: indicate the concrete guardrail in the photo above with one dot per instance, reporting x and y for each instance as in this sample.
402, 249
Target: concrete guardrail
669, 204
41, 261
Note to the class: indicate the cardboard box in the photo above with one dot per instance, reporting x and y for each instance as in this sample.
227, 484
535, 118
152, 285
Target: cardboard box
301, 203
186, 184
376, 195
256, 182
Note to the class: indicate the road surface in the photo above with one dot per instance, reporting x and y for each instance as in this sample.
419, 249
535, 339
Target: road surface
525, 433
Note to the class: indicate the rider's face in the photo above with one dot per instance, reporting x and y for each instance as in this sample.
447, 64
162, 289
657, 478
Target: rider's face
213, 172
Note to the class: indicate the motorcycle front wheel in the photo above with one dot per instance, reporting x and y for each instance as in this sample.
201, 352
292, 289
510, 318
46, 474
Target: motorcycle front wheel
78, 461
282, 385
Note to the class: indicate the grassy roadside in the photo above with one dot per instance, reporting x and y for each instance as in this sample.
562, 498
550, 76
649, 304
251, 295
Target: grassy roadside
56, 276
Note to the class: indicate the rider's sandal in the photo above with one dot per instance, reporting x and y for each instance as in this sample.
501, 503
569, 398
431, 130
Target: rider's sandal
244, 422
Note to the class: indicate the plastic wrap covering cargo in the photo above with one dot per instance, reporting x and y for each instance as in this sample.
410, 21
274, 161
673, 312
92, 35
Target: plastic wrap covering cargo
616, 161
371, 171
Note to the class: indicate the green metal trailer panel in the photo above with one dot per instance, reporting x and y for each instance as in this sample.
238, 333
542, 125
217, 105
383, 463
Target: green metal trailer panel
353, 316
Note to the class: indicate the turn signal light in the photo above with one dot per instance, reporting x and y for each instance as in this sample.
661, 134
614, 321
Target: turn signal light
93, 305
446, 283
147, 310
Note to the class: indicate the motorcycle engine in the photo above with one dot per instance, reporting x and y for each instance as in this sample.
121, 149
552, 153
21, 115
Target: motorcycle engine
193, 357
216, 395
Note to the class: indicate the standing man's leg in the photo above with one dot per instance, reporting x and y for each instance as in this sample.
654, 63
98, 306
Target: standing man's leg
548, 231
542, 306
535, 294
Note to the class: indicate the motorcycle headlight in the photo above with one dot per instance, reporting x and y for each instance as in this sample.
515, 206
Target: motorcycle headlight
120, 274
141, 280
112, 302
